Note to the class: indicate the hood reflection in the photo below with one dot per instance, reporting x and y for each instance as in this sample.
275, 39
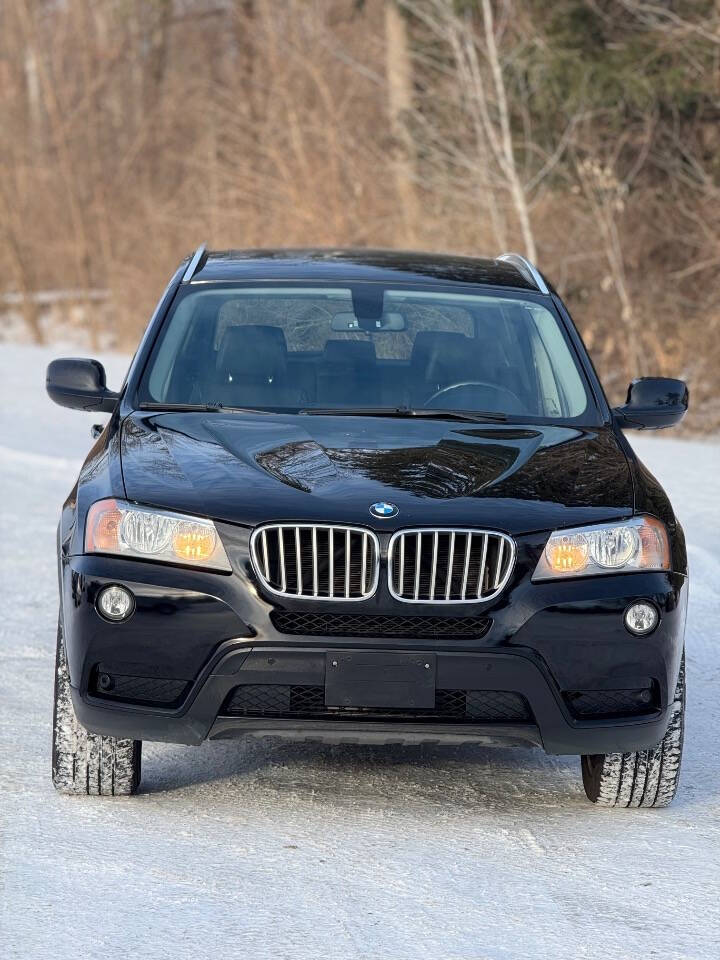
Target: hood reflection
251, 469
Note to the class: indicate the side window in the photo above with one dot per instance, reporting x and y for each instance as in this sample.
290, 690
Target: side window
563, 393
174, 337
304, 319
513, 338
550, 398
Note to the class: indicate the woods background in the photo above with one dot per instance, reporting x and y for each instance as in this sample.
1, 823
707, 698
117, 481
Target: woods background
584, 133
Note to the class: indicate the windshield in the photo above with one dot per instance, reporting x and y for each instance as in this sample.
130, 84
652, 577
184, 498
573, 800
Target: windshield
364, 346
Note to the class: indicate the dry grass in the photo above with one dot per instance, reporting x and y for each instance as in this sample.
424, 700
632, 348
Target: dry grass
131, 131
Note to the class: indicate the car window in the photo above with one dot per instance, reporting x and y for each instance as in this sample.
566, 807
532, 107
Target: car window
291, 347
561, 386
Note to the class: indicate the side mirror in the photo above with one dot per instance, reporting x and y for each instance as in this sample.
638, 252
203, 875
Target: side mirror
653, 403
79, 384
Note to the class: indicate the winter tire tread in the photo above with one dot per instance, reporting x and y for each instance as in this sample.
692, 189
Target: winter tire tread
643, 778
85, 763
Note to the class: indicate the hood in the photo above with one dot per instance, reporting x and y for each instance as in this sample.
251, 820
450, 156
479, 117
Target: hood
255, 468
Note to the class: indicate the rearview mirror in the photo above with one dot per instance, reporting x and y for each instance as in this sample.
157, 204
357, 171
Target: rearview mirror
653, 403
390, 322
79, 384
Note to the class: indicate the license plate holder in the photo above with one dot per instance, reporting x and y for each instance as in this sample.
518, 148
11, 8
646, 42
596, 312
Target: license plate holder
359, 678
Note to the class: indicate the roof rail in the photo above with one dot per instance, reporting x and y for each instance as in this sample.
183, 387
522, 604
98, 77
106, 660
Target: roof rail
194, 264
523, 266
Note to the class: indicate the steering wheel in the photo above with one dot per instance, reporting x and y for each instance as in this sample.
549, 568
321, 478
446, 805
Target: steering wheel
474, 383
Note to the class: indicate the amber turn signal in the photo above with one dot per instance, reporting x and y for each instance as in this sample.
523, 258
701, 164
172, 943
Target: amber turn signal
568, 554
194, 545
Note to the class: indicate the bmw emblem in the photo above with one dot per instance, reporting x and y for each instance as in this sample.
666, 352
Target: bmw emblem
384, 511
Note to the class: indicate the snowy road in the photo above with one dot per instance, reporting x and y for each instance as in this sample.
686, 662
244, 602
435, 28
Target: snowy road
272, 850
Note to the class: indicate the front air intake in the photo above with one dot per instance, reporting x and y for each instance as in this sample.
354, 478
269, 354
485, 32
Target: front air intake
316, 561
322, 623
308, 702
449, 566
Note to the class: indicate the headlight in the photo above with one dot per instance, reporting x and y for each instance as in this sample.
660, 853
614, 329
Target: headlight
637, 544
128, 530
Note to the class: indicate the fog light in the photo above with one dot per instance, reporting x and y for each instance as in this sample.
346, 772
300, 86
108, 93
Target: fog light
641, 618
115, 603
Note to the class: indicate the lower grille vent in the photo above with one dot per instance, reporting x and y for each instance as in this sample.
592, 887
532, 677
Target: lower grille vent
151, 691
320, 624
588, 704
468, 706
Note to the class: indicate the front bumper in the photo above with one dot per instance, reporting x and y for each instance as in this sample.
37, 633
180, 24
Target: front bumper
211, 633
202, 716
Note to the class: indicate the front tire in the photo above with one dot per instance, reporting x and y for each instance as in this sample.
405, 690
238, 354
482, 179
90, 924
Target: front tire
86, 763
644, 778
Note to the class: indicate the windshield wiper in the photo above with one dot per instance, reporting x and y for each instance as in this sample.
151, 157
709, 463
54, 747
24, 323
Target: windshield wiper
408, 413
202, 407
182, 407
472, 416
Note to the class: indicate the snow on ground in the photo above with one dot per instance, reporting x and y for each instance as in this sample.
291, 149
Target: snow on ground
275, 850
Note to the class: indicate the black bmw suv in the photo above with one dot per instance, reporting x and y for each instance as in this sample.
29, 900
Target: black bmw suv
368, 496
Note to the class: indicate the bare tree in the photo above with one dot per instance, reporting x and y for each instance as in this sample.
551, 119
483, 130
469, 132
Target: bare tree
400, 105
133, 130
662, 17
479, 75
605, 194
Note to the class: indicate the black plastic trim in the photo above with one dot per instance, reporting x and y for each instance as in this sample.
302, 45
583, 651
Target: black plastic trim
198, 718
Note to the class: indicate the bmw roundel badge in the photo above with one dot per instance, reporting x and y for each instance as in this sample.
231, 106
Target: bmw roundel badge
384, 511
